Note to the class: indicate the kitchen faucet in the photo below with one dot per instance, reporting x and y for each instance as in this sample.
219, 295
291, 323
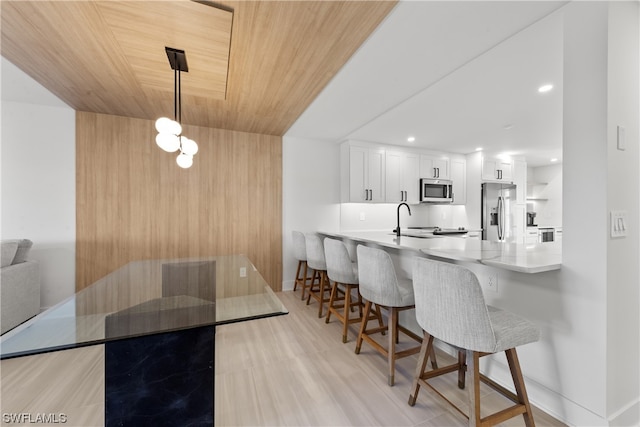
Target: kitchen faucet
397, 230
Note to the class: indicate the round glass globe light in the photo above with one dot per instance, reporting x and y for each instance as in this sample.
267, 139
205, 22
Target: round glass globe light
189, 146
168, 142
166, 125
184, 161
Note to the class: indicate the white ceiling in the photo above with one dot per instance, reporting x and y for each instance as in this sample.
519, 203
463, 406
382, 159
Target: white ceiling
17, 86
455, 75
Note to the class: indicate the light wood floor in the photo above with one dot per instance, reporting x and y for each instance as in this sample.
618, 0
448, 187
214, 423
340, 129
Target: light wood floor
289, 370
294, 370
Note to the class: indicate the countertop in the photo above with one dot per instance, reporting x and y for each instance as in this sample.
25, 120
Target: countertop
531, 258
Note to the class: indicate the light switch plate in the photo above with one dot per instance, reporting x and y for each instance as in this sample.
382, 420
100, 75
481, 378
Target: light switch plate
619, 223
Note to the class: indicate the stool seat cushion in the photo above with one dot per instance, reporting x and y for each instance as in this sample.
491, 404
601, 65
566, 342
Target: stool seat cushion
511, 330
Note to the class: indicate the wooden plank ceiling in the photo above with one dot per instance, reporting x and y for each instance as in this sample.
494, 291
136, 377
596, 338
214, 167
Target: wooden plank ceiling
254, 66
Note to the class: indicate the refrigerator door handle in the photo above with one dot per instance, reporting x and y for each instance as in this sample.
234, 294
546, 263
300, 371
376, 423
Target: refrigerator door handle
500, 218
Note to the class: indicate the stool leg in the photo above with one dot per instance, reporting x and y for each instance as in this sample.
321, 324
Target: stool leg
426, 349
363, 325
332, 298
473, 365
313, 279
295, 282
392, 326
304, 280
347, 308
379, 316
323, 283
462, 368
518, 382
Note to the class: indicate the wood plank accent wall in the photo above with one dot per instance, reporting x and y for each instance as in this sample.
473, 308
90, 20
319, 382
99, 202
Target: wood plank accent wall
134, 202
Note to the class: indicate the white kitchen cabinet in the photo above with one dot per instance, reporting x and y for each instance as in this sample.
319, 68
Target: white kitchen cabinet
459, 179
434, 167
520, 180
402, 177
557, 236
365, 168
497, 170
531, 236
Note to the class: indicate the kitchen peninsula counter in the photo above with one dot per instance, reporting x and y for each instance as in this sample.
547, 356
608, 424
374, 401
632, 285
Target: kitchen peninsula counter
522, 258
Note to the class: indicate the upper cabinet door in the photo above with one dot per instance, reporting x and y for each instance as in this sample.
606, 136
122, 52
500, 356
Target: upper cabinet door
434, 167
358, 174
394, 183
411, 172
376, 175
494, 169
366, 174
402, 177
459, 178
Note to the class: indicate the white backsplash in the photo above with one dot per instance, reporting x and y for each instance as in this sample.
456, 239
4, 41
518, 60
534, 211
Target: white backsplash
382, 216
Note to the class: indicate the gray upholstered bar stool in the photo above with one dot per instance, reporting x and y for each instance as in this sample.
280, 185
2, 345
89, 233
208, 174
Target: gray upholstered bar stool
319, 290
300, 253
450, 306
344, 274
380, 285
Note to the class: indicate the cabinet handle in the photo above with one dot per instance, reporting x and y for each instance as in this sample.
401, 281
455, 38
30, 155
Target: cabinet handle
406, 196
438, 169
366, 194
370, 194
434, 173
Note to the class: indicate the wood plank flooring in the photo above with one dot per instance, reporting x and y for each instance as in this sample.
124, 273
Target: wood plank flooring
289, 370
294, 370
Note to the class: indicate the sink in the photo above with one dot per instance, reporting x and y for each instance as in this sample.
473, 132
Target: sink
418, 236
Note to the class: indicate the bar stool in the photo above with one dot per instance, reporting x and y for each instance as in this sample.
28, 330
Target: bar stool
300, 253
315, 259
450, 306
344, 274
380, 285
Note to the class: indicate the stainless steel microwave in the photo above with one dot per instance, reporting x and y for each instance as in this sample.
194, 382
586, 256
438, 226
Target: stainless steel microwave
436, 190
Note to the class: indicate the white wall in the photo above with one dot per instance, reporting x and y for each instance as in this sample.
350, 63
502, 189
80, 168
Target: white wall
583, 281
623, 193
38, 182
549, 211
310, 194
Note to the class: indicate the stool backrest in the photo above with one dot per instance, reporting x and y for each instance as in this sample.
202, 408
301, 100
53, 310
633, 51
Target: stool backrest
299, 246
377, 277
315, 252
340, 268
450, 305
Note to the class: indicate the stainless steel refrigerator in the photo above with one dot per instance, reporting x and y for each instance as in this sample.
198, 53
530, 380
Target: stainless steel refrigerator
498, 212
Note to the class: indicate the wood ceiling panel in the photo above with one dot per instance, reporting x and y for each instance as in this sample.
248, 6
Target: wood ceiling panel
102, 56
143, 29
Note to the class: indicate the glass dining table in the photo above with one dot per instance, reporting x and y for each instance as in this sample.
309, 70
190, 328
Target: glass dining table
157, 320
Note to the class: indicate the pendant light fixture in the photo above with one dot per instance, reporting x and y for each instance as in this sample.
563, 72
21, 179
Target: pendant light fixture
170, 137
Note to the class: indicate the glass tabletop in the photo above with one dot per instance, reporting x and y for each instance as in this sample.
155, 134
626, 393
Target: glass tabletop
148, 297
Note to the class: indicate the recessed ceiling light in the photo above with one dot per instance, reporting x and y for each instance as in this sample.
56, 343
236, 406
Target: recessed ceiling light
554, 160
545, 88
479, 149
411, 138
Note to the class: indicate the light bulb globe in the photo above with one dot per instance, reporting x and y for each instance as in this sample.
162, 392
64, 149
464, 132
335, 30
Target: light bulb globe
163, 125
188, 146
184, 161
168, 142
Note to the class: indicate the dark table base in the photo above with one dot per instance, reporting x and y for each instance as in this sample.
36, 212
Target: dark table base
164, 379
